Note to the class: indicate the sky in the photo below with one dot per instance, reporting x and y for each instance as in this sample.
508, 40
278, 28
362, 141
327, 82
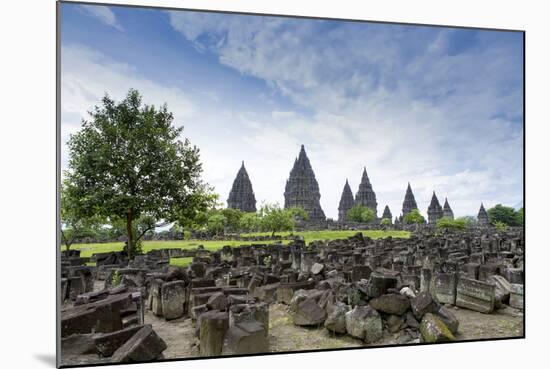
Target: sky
441, 108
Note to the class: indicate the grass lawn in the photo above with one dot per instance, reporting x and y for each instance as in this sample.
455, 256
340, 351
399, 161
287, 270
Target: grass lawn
86, 250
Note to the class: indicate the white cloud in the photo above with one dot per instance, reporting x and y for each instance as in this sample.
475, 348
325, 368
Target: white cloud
103, 14
439, 119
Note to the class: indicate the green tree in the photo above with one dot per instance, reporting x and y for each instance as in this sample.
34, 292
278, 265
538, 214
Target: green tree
216, 222
276, 219
127, 162
233, 217
73, 227
361, 214
386, 222
503, 214
468, 220
250, 222
414, 217
520, 217
448, 224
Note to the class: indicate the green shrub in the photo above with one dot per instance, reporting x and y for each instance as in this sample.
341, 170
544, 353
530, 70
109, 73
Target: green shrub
450, 224
414, 217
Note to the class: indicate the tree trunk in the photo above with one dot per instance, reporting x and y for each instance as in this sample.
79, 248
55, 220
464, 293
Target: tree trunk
130, 231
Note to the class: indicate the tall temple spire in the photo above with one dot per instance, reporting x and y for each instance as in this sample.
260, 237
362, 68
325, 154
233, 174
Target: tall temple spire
482, 217
387, 213
365, 194
346, 202
435, 211
409, 203
241, 195
302, 189
447, 211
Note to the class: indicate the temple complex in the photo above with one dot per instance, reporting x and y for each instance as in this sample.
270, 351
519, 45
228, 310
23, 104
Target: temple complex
409, 203
365, 195
241, 195
435, 211
482, 216
447, 211
302, 189
346, 202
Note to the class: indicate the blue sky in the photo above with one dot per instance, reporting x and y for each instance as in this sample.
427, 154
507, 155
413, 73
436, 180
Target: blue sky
440, 108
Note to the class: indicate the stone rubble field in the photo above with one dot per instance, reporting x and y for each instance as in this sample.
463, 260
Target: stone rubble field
277, 298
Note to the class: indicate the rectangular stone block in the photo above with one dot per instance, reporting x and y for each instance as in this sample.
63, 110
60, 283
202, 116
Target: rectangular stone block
475, 295
145, 345
516, 296
444, 287
173, 299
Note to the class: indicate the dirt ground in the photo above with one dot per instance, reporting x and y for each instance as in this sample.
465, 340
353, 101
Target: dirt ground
285, 336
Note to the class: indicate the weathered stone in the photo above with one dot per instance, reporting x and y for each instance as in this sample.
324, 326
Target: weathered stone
391, 304
78, 344
379, 284
482, 217
448, 318
267, 293
245, 338
308, 312
173, 299
475, 295
217, 301
422, 304
145, 345
435, 211
432, 329
409, 203
213, 326
365, 323
336, 320
107, 343
444, 287
516, 296
317, 268
502, 289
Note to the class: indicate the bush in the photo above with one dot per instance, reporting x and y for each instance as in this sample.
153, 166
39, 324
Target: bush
505, 215
500, 226
414, 217
450, 224
385, 222
250, 222
361, 214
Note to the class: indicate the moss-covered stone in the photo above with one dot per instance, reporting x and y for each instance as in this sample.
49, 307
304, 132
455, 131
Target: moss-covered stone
432, 329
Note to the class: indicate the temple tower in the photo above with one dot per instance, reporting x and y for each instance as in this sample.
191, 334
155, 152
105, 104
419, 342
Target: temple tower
447, 211
302, 189
365, 195
387, 213
346, 202
241, 195
435, 211
409, 203
482, 217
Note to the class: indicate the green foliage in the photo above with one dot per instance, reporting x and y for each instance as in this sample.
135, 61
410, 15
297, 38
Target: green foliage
275, 219
520, 217
386, 222
361, 214
216, 222
233, 218
468, 220
414, 217
250, 222
127, 161
116, 278
506, 215
501, 226
450, 224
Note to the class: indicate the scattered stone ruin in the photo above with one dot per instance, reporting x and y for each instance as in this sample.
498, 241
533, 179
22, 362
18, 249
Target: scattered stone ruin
355, 286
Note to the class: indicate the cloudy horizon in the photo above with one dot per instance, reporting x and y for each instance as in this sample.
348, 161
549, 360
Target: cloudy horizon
441, 108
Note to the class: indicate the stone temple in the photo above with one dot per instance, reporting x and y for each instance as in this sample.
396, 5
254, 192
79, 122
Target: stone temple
302, 189
435, 211
346, 202
482, 216
365, 195
409, 203
241, 195
447, 211
387, 213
